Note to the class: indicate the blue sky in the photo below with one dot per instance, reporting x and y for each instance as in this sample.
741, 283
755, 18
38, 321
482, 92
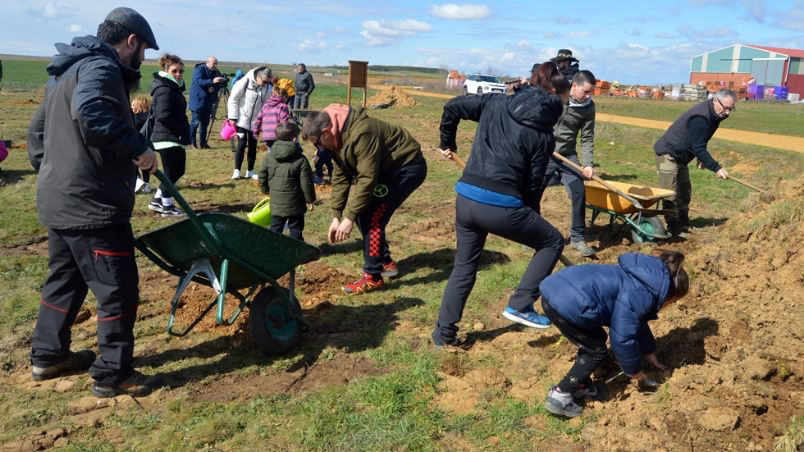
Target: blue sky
629, 41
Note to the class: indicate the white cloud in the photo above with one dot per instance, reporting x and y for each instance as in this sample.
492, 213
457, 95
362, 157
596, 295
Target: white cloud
464, 11
794, 18
524, 45
566, 20
378, 33
714, 32
579, 34
320, 34
309, 45
75, 28
756, 9
50, 10
635, 32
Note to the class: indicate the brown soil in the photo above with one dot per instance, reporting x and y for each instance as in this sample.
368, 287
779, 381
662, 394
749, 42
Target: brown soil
392, 96
734, 346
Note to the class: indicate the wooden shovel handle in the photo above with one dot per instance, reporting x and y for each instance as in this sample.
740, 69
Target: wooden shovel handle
749, 185
597, 179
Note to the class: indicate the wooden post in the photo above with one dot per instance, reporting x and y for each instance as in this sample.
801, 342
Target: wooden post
358, 78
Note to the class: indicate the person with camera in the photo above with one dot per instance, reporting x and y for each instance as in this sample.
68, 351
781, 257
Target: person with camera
245, 103
207, 81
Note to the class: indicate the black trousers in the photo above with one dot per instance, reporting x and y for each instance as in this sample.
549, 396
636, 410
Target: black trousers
101, 260
591, 349
573, 183
295, 225
324, 158
473, 222
248, 140
174, 163
389, 193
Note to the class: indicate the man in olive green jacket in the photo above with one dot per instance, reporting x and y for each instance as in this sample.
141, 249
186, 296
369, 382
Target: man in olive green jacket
386, 165
286, 175
578, 117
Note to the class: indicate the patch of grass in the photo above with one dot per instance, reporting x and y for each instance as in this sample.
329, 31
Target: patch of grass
793, 437
771, 117
663, 396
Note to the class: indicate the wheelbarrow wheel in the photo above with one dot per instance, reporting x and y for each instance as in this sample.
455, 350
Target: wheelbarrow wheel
274, 321
649, 229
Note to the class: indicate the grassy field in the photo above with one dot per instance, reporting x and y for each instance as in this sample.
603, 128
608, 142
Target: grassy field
366, 376
771, 117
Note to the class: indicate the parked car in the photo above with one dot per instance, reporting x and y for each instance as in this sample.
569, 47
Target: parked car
483, 83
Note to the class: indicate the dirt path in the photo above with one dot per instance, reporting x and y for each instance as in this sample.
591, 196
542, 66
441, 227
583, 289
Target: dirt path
786, 142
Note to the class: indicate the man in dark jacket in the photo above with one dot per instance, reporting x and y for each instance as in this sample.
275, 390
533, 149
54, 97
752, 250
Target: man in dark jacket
85, 195
286, 176
567, 64
685, 140
304, 87
207, 81
578, 117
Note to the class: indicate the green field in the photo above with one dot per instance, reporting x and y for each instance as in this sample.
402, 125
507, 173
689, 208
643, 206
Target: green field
366, 376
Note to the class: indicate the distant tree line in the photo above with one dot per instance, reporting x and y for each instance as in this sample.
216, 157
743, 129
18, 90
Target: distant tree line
381, 68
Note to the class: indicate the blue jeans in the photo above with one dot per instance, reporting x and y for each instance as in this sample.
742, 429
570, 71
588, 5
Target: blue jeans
199, 121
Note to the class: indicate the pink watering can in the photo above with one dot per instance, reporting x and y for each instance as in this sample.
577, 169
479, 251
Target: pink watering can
228, 130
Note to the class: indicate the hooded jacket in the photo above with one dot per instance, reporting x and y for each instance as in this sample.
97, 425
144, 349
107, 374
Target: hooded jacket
623, 297
201, 99
86, 178
286, 176
245, 100
170, 111
369, 149
274, 112
513, 142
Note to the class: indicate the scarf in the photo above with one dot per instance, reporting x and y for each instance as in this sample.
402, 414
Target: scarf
338, 113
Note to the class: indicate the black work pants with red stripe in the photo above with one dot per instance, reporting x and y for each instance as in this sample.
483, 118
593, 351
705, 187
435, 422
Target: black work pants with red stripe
389, 193
101, 260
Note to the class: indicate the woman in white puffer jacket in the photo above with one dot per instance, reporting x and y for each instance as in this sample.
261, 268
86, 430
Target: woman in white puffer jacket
245, 103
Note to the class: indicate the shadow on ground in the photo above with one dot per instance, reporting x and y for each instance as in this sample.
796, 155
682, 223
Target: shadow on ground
350, 328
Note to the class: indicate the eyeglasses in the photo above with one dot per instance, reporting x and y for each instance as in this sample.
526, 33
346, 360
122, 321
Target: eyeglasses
728, 109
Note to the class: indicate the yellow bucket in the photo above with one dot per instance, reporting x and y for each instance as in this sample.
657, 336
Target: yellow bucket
261, 214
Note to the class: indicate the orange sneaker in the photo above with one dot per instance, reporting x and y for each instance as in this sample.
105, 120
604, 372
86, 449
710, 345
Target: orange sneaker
365, 284
389, 270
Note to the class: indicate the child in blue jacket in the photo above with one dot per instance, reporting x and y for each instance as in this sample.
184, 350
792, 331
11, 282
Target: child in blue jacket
581, 300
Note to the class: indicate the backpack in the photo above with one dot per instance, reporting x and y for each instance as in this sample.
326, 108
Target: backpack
147, 128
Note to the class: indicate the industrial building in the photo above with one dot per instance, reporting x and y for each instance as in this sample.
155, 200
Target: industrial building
739, 64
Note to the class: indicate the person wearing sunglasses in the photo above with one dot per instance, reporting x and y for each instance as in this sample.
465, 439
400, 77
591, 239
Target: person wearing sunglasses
685, 140
171, 131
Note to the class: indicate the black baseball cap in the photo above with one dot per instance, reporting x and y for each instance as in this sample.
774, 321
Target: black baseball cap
135, 23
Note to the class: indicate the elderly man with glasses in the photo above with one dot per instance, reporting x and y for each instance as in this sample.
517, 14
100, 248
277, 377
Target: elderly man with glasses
685, 140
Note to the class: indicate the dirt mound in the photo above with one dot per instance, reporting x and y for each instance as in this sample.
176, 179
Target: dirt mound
391, 97
734, 346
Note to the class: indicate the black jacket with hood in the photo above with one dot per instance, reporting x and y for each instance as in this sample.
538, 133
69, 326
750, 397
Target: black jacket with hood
286, 176
170, 111
513, 142
86, 177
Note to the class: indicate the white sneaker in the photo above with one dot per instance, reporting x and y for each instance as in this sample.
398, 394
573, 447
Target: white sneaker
147, 188
251, 175
138, 185
236, 174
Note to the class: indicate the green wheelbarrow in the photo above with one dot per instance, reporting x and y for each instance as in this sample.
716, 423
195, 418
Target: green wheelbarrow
232, 256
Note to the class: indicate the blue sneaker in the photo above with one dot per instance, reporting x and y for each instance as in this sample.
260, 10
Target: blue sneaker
529, 317
318, 181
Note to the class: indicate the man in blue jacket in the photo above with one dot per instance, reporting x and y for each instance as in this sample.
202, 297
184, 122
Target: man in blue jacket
207, 81
87, 159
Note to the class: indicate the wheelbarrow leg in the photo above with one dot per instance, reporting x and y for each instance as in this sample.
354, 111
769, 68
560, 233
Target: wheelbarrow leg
294, 303
222, 294
201, 266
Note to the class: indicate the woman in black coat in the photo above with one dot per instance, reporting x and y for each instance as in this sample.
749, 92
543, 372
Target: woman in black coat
500, 190
171, 129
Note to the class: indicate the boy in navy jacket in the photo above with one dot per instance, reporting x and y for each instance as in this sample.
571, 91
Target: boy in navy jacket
581, 300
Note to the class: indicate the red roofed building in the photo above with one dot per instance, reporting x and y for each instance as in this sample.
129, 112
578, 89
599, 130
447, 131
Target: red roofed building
737, 65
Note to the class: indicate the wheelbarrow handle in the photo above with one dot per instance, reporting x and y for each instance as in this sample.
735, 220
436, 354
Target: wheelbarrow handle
191, 215
597, 179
